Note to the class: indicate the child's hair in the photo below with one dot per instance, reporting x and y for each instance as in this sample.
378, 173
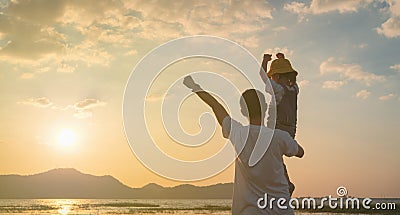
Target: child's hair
253, 101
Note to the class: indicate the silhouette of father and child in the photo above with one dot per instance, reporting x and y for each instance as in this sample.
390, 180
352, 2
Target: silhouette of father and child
268, 177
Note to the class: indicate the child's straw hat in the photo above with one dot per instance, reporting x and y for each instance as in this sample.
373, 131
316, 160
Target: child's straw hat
280, 66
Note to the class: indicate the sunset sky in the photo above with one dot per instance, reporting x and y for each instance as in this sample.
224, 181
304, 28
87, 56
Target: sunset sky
64, 66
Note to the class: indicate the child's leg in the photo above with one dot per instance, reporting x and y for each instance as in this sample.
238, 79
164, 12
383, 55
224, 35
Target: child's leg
292, 132
291, 185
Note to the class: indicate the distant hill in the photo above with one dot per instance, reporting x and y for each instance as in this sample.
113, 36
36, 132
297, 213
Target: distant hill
70, 183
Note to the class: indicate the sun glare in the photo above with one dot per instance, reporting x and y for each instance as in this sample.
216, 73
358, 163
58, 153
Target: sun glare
66, 137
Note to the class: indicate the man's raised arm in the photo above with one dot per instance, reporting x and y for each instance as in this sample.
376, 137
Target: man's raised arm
218, 109
263, 69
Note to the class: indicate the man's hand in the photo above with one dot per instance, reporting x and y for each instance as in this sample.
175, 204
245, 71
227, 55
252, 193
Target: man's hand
263, 69
218, 109
189, 83
267, 57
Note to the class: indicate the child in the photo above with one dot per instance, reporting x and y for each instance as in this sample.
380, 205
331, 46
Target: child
283, 81
267, 175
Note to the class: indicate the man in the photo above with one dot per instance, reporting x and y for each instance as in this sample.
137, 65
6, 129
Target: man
267, 176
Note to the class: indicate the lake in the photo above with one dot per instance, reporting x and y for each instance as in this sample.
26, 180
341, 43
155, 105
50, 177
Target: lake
120, 206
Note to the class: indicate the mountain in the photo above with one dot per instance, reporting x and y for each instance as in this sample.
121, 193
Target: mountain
70, 183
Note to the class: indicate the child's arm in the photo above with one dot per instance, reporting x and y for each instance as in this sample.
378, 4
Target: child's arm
218, 109
273, 88
300, 152
290, 147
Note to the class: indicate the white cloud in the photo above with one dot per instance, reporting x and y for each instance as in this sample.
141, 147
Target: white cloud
28, 41
83, 114
41, 69
31, 10
41, 102
349, 72
343, 6
30, 68
324, 6
47, 29
280, 28
361, 46
391, 27
27, 75
131, 52
396, 67
37, 44
159, 97
235, 20
333, 84
65, 68
87, 52
387, 97
249, 42
363, 94
296, 7
38, 36
82, 109
35, 37
87, 104
154, 98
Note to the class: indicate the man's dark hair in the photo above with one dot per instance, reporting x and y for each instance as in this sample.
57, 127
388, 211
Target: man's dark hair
253, 99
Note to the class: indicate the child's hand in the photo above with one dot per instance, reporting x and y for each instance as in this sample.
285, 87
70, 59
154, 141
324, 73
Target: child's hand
267, 57
280, 55
292, 78
189, 82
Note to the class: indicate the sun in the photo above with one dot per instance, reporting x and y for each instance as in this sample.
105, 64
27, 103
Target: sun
66, 137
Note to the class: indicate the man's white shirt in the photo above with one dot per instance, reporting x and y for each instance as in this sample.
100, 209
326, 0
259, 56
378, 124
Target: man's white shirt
267, 175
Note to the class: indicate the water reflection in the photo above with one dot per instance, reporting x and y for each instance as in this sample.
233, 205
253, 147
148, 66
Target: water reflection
64, 210
64, 206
